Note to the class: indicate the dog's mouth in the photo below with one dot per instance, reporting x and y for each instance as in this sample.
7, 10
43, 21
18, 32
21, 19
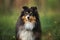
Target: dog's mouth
28, 18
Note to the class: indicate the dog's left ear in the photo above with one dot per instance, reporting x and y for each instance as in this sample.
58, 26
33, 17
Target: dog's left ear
34, 8
25, 7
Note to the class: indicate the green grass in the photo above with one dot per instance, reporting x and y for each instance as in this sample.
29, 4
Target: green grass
7, 27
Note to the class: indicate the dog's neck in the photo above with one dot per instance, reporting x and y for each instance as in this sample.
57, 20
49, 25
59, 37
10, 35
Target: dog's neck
29, 26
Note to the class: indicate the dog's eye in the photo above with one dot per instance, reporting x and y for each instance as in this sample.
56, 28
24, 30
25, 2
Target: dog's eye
30, 12
26, 12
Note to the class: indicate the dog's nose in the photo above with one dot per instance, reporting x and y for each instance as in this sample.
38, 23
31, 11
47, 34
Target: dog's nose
28, 17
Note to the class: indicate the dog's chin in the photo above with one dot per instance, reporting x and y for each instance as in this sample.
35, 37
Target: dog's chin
29, 25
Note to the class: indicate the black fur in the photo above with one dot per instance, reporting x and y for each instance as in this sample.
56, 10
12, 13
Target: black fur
37, 29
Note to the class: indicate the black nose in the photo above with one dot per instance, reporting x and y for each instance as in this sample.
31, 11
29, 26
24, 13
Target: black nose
28, 17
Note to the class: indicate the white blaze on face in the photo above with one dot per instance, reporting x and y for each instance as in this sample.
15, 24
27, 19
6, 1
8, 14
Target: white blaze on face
28, 25
27, 16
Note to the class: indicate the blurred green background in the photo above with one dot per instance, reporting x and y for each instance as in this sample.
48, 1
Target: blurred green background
49, 12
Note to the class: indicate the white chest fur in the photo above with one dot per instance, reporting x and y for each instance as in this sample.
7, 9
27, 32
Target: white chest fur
26, 35
29, 25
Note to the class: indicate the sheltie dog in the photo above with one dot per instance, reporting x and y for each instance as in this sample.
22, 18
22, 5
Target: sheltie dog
28, 25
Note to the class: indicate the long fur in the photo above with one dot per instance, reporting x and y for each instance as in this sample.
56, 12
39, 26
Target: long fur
37, 28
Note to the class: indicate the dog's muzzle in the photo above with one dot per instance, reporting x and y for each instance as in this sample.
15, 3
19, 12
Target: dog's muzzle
27, 17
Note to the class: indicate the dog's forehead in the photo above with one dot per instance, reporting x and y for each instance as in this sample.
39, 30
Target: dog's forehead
28, 11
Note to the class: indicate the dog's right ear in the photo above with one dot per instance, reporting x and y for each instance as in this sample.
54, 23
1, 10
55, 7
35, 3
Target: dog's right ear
34, 8
25, 7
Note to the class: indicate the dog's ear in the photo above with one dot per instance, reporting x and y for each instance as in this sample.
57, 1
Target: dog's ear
34, 8
25, 7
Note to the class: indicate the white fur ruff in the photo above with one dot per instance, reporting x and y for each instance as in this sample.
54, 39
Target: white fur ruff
29, 25
26, 35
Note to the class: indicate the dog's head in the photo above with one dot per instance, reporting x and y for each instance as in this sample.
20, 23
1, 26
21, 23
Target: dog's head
28, 14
